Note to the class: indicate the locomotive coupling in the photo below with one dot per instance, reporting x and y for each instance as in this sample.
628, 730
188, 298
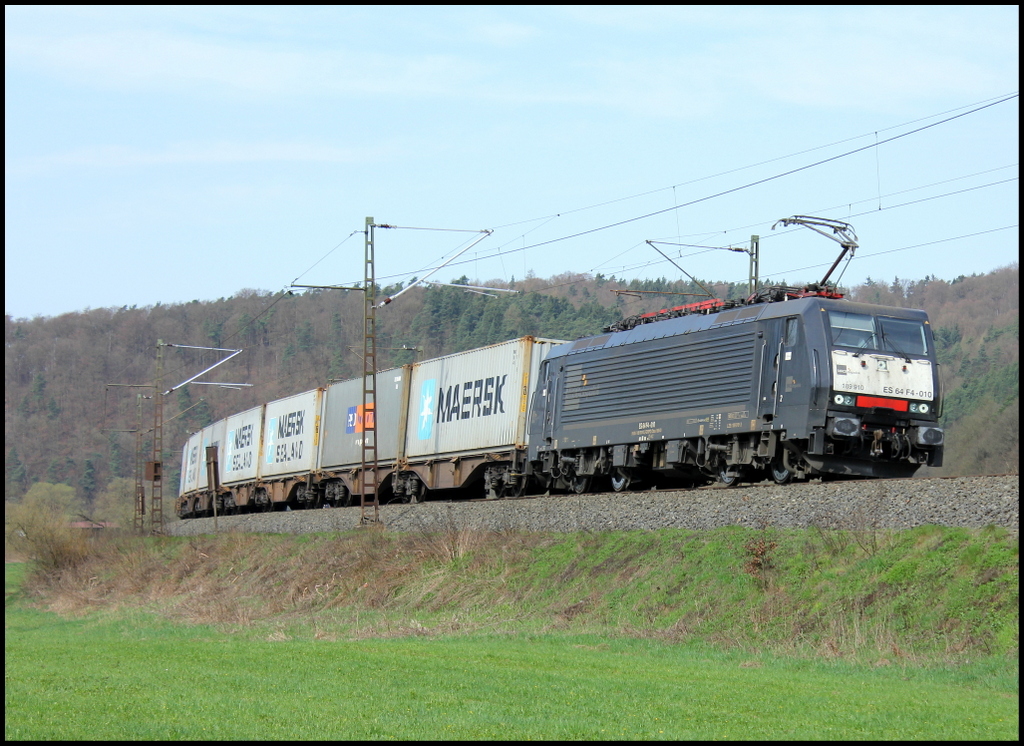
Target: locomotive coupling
876, 443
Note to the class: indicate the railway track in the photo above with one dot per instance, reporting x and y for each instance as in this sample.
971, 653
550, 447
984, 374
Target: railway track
971, 502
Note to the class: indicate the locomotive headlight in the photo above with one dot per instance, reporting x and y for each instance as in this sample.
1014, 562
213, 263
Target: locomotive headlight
844, 399
919, 407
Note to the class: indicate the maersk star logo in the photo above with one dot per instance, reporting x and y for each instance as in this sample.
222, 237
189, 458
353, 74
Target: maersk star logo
271, 430
426, 427
426, 413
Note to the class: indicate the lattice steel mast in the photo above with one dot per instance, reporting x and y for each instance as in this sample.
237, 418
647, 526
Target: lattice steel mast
369, 482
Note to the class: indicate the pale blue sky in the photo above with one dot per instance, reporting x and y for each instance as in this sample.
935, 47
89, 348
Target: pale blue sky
166, 154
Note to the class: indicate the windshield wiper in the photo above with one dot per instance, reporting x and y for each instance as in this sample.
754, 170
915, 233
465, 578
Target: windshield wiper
862, 346
897, 350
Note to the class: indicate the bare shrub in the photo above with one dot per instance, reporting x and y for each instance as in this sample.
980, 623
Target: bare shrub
450, 539
40, 530
833, 539
759, 560
865, 522
861, 525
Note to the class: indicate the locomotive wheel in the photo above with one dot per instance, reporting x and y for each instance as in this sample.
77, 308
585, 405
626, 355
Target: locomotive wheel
621, 479
780, 474
579, 484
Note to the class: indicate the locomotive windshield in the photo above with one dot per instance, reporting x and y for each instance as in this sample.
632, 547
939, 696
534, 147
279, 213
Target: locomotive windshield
863, 332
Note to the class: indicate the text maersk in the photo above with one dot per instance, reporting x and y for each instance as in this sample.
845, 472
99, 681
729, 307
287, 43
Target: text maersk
239, 440
462, 401
480, 398
291, 425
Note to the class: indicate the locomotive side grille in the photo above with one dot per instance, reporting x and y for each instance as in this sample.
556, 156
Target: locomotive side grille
691, 373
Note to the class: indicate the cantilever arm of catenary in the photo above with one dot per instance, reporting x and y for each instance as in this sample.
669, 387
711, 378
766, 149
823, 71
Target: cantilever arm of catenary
420, 280
219, 349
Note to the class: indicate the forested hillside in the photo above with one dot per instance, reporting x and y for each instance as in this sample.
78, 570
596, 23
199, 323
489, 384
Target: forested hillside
65, 424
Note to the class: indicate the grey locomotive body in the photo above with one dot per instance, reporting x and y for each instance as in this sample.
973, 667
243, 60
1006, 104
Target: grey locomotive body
811, 386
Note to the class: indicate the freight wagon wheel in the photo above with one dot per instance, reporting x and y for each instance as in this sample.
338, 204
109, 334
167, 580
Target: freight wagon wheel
780, 473
621, 479
517, 489
343, 498
579, 484
729, 479
262, 501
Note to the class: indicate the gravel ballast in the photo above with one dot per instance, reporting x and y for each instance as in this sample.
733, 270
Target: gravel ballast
971, 502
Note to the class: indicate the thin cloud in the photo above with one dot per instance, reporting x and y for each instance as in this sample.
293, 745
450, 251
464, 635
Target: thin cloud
210, 154
158, 61
505, 33
776, 54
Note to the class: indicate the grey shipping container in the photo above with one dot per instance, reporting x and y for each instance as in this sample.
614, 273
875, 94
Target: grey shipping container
342, 429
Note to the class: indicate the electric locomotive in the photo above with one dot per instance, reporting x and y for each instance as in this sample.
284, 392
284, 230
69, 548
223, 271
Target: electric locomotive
791, 384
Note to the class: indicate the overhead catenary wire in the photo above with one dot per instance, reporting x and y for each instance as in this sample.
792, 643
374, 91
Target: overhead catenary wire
486, 232
628, 268
741, 187
285, 293
903, 248
551, 216
820, 210
501, 252
964, 111
860, 256
326, 255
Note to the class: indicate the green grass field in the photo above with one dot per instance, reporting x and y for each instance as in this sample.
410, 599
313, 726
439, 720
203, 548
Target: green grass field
130, 674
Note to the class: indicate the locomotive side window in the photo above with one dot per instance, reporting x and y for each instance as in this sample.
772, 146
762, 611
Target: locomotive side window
791, 332
903, 335
852, 330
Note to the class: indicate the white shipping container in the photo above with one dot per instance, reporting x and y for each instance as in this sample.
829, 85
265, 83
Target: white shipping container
291, 430
190, 461
342, 430
212, 435
240, 455
473, 401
